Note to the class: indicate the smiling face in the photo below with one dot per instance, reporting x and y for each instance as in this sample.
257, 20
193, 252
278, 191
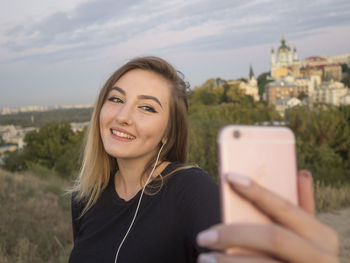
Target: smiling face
134, 117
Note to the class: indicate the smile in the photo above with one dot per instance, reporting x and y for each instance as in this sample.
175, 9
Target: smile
122, 134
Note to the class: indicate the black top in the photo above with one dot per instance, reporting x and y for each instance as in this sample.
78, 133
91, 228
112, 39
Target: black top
165, 228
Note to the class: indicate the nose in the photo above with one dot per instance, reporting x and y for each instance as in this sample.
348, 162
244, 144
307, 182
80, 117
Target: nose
124, 115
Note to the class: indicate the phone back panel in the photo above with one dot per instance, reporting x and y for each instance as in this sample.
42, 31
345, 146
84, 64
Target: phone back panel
266, 155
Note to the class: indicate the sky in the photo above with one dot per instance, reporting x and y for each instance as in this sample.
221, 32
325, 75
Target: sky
62, 52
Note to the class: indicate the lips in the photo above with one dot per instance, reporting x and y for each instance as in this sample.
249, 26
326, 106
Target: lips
123, 134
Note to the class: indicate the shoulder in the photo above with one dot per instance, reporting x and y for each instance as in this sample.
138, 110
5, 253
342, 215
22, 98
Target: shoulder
198, 196
191, 176
191, 184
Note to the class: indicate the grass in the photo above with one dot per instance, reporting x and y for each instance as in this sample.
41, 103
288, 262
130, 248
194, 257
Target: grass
329, 198
35, 221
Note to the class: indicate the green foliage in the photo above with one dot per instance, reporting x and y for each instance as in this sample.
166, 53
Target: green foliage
346, 80
54, 148
218, 91
2, 142
323, 141
14, 161
263, 79
346, 72
209, 93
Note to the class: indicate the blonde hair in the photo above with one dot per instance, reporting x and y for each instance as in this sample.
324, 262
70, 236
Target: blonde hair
97, 164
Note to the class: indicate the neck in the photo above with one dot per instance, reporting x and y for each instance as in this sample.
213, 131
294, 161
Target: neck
128, 178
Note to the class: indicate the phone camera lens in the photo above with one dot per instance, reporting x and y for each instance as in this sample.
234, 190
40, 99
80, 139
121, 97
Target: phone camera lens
236, 134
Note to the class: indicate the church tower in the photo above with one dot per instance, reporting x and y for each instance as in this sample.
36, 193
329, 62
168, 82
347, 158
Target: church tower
273, 59
252, 81
295, 54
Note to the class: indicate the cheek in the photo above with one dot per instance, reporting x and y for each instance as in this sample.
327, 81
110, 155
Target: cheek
153, 131
104, 116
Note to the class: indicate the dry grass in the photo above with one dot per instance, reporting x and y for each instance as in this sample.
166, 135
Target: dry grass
339, 221
330, 198
35, 222
330, 203
34, 219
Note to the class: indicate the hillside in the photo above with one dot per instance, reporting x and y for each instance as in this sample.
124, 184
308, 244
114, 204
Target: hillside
35, 223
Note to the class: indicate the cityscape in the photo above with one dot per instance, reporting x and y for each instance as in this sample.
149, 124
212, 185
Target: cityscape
291, 82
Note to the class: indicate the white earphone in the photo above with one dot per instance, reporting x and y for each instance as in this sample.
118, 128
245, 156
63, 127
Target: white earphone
138, 205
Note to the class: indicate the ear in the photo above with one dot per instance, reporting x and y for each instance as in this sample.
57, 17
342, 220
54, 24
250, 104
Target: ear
164, 140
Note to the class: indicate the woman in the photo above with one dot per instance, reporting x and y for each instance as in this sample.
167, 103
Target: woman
138, 133
138, 138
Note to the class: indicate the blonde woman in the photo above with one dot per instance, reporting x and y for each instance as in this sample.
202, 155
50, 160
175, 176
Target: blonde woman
135, 200
137, 137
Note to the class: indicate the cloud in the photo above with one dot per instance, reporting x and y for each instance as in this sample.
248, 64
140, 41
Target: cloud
168, 26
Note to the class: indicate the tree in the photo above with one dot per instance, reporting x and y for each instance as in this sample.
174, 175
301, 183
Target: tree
54, 146
210, 93
263, 79
323, 141
235, 94
2, 142
14, 161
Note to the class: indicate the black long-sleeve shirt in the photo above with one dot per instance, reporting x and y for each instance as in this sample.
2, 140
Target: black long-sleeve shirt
165, 228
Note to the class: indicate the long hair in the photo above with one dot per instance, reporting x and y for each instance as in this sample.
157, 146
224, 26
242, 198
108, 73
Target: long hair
97, 164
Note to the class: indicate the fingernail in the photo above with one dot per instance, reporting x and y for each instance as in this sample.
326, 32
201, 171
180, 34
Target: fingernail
206, 258
207, 238
239, 179
305, 173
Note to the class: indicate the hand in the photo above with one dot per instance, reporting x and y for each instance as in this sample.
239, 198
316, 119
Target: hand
294, 236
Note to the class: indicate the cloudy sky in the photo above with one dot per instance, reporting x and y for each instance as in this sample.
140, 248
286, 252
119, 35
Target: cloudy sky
61, 52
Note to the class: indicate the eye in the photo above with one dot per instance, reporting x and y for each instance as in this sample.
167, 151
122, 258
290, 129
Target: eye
115, 100
148, 108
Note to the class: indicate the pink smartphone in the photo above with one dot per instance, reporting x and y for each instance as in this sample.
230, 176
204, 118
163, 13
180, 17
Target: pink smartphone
265, 154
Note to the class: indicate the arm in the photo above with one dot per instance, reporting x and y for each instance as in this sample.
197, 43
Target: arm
295, 235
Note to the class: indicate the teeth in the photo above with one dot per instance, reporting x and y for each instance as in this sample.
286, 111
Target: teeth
122, 134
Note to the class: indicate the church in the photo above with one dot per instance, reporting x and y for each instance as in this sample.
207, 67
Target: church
315, 79
285, 61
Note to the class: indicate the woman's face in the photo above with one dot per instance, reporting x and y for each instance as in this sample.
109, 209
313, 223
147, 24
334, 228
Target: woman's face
134, 117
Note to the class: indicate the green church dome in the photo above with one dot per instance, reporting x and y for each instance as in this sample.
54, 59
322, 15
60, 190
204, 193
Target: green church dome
283, 45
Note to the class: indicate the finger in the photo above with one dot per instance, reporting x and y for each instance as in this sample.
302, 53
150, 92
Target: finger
225, 258
271, 239
306, 192
284, 212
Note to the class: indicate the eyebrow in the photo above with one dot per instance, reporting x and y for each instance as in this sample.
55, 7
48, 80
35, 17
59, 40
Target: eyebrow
144, 97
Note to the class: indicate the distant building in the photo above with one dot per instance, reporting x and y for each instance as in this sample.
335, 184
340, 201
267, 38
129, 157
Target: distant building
283, 104
251, 86
78, 126
332, 92
321, 67
15, 134
10, 148
341, 59
285, 61
279, 89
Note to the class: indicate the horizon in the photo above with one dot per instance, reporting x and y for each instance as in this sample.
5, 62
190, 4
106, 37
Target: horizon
61, 53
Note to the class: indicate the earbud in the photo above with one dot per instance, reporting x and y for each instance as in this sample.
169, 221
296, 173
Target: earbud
138, 204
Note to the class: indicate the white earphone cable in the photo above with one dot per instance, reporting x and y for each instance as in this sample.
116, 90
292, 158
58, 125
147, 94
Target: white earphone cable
138, 205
